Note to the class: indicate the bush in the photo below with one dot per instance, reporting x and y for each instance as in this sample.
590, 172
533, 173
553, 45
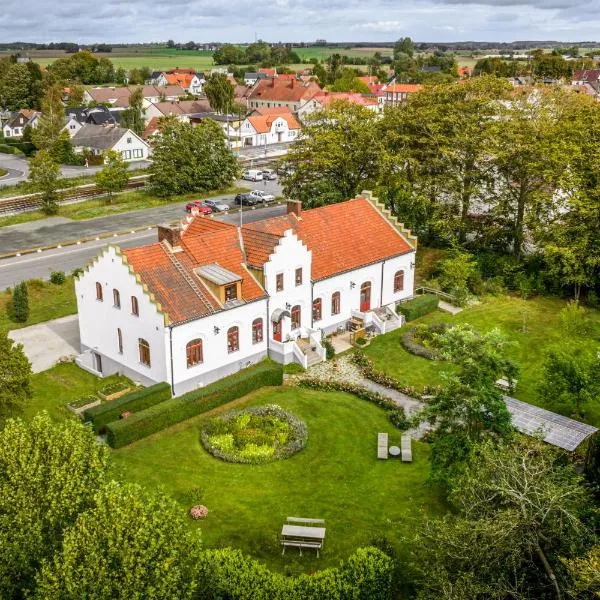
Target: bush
57, 277
255, 435
419, 306
419, 340
19, 309
6, 149
77, 272
169, 412
139, 400
293, 369
329, 349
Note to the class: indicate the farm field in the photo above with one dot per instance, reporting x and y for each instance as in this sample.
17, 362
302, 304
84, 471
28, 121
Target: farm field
323, 52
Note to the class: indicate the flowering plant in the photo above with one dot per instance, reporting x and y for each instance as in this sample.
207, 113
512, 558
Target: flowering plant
198, 512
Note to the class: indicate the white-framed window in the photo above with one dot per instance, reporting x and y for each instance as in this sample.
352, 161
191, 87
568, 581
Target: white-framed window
129, 140
138, 153
126, 154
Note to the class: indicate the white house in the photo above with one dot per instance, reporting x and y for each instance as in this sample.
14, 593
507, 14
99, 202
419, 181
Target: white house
323, 99
98, 139
209, 298
187, 79
15, 126
269, 126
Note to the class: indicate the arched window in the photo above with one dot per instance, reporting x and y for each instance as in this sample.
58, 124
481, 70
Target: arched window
144, 348
233, 339
193, 352
116, 299
135, 309
120, 341
399, 281
317, 309
99, 295
335, 303
365, 296
257, 331
296, 314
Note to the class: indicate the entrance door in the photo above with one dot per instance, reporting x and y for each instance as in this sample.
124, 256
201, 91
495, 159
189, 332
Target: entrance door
98, 362
365, 296
277, 331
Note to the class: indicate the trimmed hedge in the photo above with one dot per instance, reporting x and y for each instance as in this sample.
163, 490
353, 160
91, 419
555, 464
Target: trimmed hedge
419, 306
105, 413
167, 413
6, 149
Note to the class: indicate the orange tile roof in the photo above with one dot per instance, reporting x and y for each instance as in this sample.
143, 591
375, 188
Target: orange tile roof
263, 123
369, 79
183, 80
341, 237
325, 98
269, 72
404, 88
277, 110
283, 91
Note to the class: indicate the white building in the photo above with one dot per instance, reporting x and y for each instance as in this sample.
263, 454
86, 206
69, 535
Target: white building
97, 139
15, 127
209, 298
269, 126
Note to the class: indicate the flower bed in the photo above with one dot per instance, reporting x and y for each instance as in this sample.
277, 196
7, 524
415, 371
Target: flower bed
255, 435
420, 340
83, 401
112, 391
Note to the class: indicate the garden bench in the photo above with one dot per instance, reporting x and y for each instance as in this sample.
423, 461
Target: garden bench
306, 521
382, 445
303, 536
406, 445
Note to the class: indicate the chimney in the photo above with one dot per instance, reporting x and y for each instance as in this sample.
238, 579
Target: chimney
294, 206
170, 234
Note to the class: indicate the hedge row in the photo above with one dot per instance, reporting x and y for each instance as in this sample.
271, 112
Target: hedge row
167, 413
419, 306
6, 149
105, 413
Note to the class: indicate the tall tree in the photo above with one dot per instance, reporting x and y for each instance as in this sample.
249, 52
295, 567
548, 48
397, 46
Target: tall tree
190, 158
49, 473
114, 174
337, 156
219, 91
349, 82
44, 174
133, 116
15, 87
19, 306
404, 46
15, 374
48, 130
131, 544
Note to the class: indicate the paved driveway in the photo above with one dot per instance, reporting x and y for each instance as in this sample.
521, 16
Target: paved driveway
46, 343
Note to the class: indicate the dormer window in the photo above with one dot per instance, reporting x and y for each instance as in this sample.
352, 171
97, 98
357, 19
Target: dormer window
230, 292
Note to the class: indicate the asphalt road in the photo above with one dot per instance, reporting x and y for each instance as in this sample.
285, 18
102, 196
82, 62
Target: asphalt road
40, 265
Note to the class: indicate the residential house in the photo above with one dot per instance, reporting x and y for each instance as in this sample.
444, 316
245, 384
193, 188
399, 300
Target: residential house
92, 115
209, 298
182, 109
230, 123
97, 139
14, 126
270, 72
265, 126
396, 93
323, 99
588, 79
187, 79
119, 96
271, 93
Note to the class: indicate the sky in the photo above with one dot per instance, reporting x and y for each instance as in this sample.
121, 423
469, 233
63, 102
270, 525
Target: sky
132, 21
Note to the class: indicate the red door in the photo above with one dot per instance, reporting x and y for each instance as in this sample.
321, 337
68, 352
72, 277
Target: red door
365, 296
277, 331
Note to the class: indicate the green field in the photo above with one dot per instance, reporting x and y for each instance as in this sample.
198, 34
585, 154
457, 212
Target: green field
323, 52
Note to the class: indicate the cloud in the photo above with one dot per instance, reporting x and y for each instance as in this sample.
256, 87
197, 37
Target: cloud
116, 21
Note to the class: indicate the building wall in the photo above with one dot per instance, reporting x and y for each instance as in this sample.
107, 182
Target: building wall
217, 361
287, 256
132, 148
99, 320
250, 137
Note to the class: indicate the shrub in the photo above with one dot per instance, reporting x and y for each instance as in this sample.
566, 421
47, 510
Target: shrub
361, 341
139, 400
329, 349
293, 369
6, 149
419, 306
169, 412
19, 309
57, 277
420, 340
77, 272
574, 318
255, 435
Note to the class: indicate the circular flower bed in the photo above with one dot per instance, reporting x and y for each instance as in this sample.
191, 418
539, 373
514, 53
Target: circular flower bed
420, 340
255, 435
198, 512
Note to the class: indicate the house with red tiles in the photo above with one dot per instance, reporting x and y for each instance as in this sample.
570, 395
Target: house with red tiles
209, 298
266, 126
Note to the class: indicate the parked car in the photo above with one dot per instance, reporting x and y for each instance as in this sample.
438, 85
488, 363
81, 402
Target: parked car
203, 209
217, 206
252, 175
246, 200
262, 196
269, 174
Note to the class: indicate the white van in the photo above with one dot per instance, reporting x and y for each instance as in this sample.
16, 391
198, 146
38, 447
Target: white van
253, 175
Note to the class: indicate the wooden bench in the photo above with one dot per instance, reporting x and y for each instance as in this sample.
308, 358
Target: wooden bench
406, 445
382, 445
300, 532
305, 521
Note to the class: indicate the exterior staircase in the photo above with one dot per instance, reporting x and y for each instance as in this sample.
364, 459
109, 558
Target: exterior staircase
312, 356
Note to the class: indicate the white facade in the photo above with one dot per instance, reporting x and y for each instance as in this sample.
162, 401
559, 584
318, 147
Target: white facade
279, 132
130, 146
287, 315
72, 126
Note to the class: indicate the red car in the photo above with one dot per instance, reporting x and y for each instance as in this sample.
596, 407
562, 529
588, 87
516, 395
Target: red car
199, 206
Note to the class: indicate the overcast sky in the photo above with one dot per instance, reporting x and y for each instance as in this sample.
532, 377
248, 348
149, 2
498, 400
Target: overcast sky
298, 20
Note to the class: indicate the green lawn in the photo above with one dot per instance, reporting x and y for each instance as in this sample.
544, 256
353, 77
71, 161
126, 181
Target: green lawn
337, 477
120, 203
46, 301
543, 332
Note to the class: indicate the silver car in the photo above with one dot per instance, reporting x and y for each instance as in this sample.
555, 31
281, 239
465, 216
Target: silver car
217, 206
262, 196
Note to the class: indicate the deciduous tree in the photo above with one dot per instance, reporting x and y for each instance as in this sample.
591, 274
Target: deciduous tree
219, 91
44, 174
114, 174
133, 116
15, 373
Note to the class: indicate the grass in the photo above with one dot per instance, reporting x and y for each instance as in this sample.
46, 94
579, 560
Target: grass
46, 301
337, 477
543, 332
324, 52
54, 388
120, 203
3, 172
